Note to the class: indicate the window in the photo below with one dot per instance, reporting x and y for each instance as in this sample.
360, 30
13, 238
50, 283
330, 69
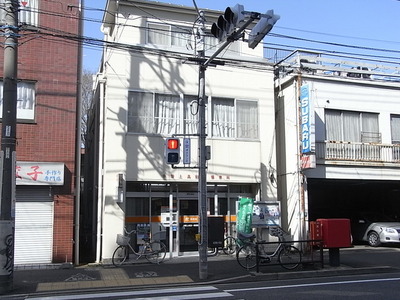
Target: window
179, 36
395, 128
358, 130
223, 117
25, 100
158, 34
166, 114
247, 119
153, 113
140, 112
234, 121
163, 34
28, 12
348, 126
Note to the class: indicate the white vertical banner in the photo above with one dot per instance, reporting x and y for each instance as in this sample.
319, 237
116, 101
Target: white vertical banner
307, 120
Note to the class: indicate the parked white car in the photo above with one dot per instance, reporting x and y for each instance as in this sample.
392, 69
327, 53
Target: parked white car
375, 229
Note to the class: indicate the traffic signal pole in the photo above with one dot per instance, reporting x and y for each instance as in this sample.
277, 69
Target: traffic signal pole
202, 185
8, 146
233, 16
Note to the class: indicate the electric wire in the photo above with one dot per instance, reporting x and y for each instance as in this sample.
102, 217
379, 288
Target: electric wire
93, 43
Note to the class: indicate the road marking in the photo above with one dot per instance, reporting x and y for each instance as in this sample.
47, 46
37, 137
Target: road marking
80, 277
146, 274
189, 297
312, 284
183, 294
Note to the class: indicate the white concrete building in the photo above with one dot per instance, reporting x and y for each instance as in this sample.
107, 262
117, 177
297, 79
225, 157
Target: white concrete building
147, 90
338, 136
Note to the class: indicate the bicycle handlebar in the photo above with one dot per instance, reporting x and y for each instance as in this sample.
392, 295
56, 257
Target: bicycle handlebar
129, 232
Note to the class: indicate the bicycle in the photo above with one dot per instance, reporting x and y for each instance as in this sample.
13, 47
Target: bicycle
232, 244
289, 257
153, 251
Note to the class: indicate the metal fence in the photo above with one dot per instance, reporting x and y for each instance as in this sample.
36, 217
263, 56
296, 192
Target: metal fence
311, 253
362, 152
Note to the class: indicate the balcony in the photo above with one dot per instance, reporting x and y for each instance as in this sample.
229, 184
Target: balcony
352, 152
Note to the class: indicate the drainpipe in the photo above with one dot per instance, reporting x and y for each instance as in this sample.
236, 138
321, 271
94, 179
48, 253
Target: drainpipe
100, 196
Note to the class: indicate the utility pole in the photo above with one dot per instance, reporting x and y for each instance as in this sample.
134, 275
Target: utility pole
202, 186
8, 146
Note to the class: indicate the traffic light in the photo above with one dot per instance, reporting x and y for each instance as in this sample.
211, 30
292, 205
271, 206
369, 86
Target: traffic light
227, 22
261, 29
172, 151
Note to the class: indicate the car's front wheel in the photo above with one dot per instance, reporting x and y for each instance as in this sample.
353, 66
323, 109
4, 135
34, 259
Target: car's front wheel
373, 239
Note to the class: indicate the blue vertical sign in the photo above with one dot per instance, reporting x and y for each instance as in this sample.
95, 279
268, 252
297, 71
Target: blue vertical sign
306, 120
186, 151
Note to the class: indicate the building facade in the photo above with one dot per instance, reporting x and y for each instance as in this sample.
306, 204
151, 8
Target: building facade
337, 137
146, 91
48, 73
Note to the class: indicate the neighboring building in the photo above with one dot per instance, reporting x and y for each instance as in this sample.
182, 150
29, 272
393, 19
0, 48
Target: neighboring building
47, 104
338, 137
146, 91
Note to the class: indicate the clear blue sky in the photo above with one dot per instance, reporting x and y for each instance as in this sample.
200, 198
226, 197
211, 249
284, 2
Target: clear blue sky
358, 24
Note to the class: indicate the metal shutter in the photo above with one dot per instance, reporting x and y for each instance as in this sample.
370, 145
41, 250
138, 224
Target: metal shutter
33, 228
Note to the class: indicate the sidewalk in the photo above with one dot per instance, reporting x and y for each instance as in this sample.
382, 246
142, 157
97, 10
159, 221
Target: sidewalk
185, 270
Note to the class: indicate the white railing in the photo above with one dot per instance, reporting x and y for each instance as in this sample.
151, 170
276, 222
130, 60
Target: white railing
362, 152
329, 64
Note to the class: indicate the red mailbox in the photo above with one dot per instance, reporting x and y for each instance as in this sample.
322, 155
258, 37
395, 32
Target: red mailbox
335, 233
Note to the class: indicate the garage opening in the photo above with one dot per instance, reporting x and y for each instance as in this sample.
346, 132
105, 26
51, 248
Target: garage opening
333, 198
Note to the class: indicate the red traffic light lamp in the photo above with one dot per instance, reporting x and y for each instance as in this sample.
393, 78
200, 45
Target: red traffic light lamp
172, 151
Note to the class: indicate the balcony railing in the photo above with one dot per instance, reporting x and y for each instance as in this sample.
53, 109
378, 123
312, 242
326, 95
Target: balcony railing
361, 152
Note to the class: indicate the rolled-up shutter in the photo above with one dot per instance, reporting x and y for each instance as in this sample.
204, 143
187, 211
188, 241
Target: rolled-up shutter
34, 214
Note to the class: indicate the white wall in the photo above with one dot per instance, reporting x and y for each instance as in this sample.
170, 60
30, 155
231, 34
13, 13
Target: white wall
341, 94
140, 158
371, 97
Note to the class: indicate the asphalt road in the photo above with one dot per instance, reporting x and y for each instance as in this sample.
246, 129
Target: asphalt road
381, 286
368, 272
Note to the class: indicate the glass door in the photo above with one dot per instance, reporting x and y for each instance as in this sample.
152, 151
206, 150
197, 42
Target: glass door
188, 225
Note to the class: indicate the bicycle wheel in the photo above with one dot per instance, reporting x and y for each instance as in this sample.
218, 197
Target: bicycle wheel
119, 256
289, 257
229, 245
246, 256
155, 252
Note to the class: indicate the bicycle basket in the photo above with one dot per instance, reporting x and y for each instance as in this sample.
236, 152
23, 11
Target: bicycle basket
122, 240
276, 231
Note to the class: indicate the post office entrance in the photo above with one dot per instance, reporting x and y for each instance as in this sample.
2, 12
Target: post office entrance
173, 210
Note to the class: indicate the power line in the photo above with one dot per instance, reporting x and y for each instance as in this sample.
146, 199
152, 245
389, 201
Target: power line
337, 35
185, 29
94, 43
332, 43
